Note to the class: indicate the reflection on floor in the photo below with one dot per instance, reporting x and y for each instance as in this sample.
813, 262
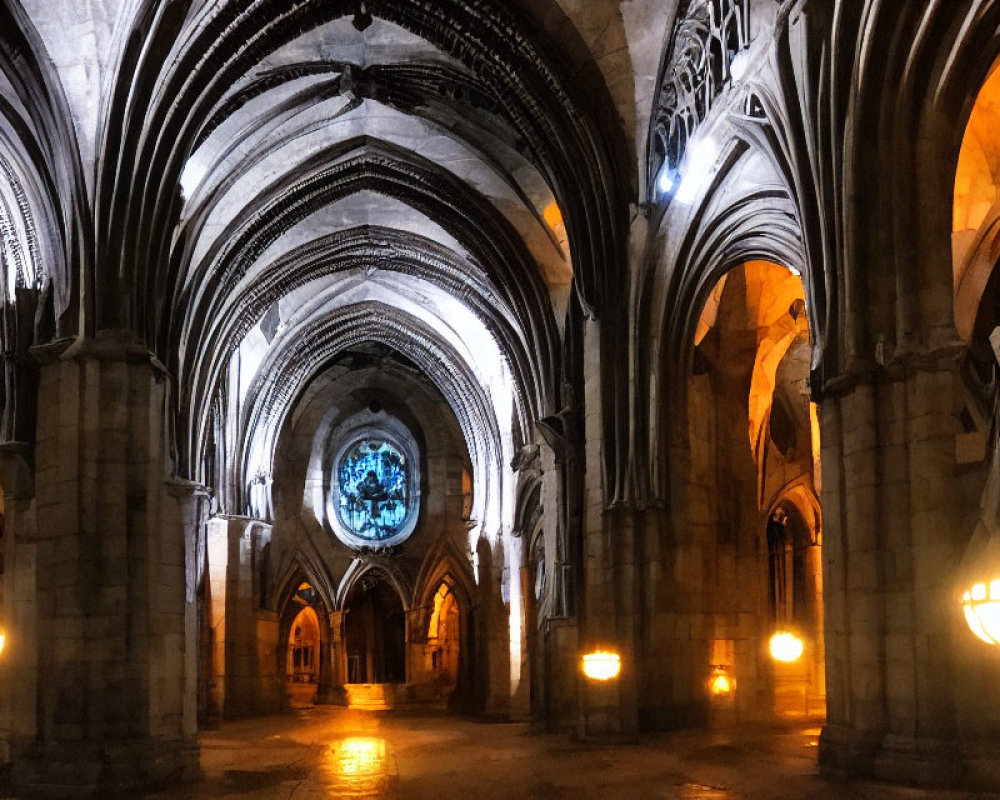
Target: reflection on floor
322, 753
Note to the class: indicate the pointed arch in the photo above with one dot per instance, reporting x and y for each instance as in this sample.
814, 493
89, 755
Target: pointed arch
303, 569
443, 560
390, 572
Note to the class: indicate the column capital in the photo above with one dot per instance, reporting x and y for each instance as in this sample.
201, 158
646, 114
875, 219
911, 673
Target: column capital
184, 489
107, 345
904, 364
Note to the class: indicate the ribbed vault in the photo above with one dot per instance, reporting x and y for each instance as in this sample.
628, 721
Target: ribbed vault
217, 67
43, 198
249, 157
254, 156
346, 323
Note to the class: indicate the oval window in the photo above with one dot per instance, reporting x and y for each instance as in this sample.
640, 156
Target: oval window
373, 501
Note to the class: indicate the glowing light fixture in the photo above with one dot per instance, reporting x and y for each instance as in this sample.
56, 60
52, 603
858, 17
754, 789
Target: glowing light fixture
665, 180
982, 610
786, 647
3, 639
720, 684
602, 665
978, 577
738, 66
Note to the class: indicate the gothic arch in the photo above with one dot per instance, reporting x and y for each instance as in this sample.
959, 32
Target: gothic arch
360, 567
936, 58
734, 221
277, 387
303, 569
150, 166
37, 134
299, 572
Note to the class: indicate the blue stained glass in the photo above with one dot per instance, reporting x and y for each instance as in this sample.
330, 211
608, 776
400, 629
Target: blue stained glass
373, 492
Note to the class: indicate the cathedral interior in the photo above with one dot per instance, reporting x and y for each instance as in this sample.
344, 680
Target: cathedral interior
610, 367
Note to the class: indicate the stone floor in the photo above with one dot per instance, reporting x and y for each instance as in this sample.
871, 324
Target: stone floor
313, 753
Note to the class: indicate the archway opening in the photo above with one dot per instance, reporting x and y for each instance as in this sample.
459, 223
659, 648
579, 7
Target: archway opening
304, 669
443, 638
795, 602
753, 434
303, 648
975, 245
975, 256
976, 222
375, 635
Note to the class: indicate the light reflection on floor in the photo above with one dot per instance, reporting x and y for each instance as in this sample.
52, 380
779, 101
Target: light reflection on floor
813, 736
359, 767
322, 753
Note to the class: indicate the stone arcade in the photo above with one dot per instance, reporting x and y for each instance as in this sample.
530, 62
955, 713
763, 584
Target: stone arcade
399, 354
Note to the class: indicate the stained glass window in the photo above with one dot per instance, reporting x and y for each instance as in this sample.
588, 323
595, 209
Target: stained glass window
374, 497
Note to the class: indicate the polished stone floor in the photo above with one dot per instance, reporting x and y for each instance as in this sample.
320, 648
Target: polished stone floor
313, 753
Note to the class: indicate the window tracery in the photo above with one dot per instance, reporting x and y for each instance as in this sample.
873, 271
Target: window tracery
373, 500
706, 39
19, 255
372, 483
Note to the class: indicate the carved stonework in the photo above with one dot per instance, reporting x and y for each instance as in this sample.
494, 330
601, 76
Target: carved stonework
18, 236
705, 40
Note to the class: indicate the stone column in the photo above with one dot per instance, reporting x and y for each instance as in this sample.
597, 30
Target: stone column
247, 678
113, 639
555, 655
493, 634
892, 543
607, 708
189, 513
332, 661
18, 612
853, 606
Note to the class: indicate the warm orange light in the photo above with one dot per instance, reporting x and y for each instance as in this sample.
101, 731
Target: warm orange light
3, 639
553, 215
361, 756
602, 665
786, 646
720, 685
982, 610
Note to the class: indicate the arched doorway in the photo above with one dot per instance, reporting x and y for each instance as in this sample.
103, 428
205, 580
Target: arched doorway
303, 648
975, 257
444, 638
375, 633
305, 661
795, 601
442, 642
753, 439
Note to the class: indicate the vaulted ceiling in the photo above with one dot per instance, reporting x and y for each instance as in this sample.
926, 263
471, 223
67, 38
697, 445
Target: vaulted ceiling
250, 187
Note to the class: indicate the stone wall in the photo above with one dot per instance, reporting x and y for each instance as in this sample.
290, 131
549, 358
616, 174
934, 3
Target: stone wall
105, 652
902, 670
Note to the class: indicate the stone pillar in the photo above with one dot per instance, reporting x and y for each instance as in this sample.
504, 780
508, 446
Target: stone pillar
189, 513
892, 544
813, 560
246, 670
607, 708
110, 595
18, 612
555, 669
332, 661
518, 687
854, 646
494, 635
